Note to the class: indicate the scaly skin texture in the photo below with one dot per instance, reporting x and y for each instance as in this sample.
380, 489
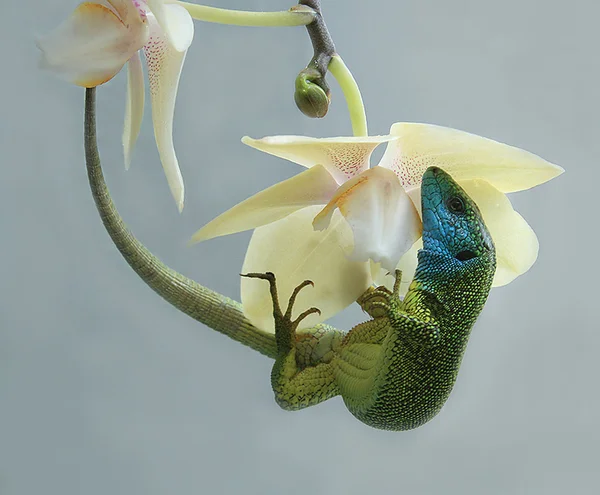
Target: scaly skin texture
396, 371
393, 372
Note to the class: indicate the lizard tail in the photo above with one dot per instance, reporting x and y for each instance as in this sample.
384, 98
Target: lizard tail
204, 305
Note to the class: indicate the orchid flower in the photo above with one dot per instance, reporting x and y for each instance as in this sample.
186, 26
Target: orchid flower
332, 222
100, 37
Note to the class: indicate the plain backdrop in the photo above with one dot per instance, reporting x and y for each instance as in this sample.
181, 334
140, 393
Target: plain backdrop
106, 389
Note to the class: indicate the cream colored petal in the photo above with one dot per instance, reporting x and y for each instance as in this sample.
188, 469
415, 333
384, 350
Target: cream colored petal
314, 186
134, 107
123, 8
383, 219
516, 243
294, 252
91, 46
176, 23
343, 157
131, 12
407, 265
164, 68
463, 155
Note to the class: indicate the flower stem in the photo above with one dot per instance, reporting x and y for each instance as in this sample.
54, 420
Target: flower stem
292, 17
347, 83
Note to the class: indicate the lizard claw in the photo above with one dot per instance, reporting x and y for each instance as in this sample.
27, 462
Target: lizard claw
292, 300
397, 280
285, 327
270, 277
303, 315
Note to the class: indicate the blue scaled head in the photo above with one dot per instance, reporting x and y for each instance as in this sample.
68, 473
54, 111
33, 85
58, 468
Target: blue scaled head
452, 223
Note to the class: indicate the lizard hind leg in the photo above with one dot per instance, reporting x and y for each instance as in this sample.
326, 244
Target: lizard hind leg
295, 387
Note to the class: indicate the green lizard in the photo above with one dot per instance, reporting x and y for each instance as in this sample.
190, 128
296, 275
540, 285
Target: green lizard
394, 371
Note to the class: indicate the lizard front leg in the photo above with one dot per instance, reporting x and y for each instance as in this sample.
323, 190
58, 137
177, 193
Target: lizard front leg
377, 301
296, 386
382, 304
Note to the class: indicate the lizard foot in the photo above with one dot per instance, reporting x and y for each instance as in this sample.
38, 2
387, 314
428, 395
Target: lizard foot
376, 302
285, 327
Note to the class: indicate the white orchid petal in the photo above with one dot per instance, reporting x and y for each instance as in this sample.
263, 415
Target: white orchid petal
343, 157
314, 186
92, 45
294, 252
382, 216
164, 69
377, 273
516, 243
407, 265
123, 8
134, 107
463, 155
176, 23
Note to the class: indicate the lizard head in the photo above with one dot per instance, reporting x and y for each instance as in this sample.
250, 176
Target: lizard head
452, 223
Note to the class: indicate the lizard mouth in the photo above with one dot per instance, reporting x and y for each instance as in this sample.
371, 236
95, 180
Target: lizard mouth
465, 255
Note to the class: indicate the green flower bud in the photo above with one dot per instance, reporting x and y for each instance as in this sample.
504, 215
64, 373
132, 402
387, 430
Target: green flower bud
312, 94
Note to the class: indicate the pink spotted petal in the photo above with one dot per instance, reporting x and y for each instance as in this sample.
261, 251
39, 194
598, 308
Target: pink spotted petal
164, 69
175, 22
463, 155
343, 157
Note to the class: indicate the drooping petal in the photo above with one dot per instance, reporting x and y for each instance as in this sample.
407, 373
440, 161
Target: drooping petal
92, 45
516, 243
465, 156
176, 23
312, 187
407, 265
343, 157
134, 107
294, 252
382, 216
164, 68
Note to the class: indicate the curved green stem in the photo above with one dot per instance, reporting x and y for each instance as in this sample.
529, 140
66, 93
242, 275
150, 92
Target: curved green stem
349, 87
294, 17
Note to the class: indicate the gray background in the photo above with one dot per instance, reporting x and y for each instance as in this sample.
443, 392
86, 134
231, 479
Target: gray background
106, 389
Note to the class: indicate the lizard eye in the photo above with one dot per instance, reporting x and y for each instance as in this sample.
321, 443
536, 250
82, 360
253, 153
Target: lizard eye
455, 204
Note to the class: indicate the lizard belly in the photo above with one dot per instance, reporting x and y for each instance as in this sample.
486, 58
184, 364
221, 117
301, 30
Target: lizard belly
394, 386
